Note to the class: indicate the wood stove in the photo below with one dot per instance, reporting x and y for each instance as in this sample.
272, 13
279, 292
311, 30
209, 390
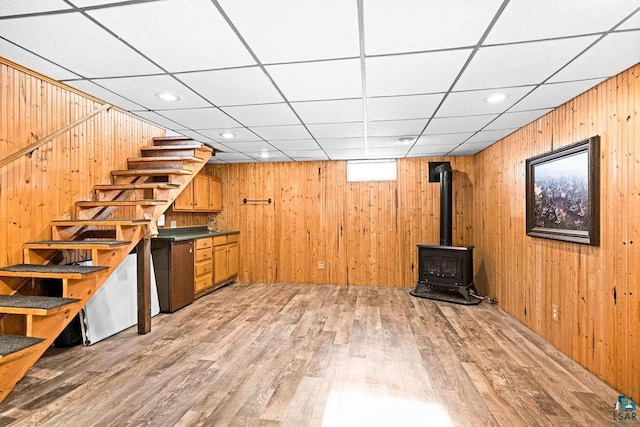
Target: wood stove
445, 272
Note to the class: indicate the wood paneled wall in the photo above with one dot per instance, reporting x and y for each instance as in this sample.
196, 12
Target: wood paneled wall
44, 186
597, 289
365, 233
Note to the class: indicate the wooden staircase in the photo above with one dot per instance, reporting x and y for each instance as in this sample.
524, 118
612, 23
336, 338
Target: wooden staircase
106, 228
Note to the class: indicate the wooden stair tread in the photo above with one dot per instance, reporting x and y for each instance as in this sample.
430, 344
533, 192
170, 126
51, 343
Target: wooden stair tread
188, 159
50, 271
189, 146
97, 222
151, 172
76, 244
37, 305
143, 202
11, 344
141, 186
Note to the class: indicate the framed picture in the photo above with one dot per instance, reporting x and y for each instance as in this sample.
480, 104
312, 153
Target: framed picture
563, 193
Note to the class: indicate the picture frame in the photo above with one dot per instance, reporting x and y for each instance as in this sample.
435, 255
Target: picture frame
563, 193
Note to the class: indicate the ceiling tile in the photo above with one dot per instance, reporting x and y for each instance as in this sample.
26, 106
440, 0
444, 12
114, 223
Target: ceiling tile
615, 52
387, 153
200, 118
289, 31
387, 142
521, 20
71, 41
306, 155
143, 91
247, 147
475, 102
346, 153
467, 149
444, 139
341, 110
281, 132
158, 119
15, 7
632, 23
341, 143
418, 25
197, 136
490, 135
516, 120
414, 73
238, 86
403, 107
396, 127
179, 35
337, 130
519, 64
88, 3
263, 115
233, 157
102, 93
295, 144
459, 124
311, 81
241, 134
431, 150
29, 60
552, 95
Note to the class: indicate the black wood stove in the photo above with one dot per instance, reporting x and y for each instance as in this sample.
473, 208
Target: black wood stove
445, 272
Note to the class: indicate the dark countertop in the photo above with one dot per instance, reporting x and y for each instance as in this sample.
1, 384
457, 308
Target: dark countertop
188, 233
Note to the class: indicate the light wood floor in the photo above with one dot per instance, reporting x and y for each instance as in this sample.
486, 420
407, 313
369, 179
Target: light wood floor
298, 355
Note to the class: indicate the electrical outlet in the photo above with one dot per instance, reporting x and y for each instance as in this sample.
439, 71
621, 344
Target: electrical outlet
554, 312
161, 221
320, 265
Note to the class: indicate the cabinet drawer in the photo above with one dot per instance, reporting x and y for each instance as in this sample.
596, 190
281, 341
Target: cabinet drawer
219, 240
204, 243
202, 284
232, 238
203, 268
203, 254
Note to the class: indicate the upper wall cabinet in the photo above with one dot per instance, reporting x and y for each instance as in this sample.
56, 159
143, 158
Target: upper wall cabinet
203, 194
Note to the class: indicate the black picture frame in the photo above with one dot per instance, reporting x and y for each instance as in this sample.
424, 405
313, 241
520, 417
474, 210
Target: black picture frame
563, 193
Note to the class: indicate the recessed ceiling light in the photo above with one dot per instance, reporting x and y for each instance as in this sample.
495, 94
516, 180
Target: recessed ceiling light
406, 140
169, 96
227, 135
264, 155
496, 97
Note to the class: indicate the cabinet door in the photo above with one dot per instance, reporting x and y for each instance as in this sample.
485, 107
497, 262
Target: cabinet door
219, 263
181, 288
200, 193
232, 259
184, 202
215, 194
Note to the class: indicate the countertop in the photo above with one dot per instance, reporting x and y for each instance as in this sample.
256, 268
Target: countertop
188, 233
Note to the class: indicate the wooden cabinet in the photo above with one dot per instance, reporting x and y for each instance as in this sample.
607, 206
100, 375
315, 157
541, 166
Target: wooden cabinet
203, 194
203, 265
173, 267
225, 258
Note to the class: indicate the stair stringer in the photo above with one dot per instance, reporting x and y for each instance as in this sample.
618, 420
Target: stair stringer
13, 369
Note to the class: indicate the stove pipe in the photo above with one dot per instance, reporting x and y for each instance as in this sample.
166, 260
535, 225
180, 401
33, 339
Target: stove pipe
446, 201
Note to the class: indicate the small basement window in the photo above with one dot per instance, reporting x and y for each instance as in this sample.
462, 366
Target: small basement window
372, 170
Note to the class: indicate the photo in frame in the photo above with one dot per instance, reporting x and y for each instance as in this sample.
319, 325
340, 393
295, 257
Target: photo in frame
563, 193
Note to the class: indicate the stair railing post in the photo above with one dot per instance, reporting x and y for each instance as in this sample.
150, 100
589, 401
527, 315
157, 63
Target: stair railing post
143, 251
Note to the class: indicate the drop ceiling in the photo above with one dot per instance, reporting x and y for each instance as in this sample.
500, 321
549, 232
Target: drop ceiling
328, 79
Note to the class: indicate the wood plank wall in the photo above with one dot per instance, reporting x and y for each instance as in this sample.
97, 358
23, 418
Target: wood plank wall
365, 233
36, 189
597, 289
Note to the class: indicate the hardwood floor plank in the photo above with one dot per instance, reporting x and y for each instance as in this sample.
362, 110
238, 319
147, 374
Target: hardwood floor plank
309, 355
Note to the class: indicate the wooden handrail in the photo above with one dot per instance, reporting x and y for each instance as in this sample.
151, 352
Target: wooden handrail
54, 135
